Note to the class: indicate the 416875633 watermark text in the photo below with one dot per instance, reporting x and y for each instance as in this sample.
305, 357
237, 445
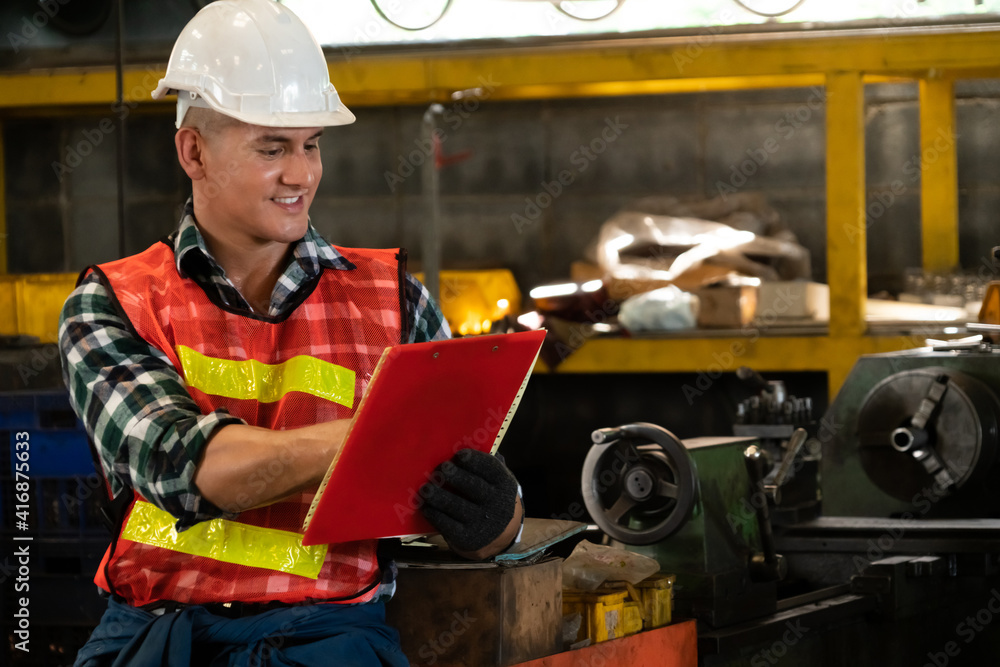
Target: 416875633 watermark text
22, 540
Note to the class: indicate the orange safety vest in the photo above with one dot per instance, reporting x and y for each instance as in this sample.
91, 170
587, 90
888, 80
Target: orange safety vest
310, 366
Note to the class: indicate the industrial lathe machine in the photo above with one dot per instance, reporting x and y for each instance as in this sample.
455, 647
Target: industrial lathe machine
869, 535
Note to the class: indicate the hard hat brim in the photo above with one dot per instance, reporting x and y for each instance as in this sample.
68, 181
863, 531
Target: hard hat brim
339, 116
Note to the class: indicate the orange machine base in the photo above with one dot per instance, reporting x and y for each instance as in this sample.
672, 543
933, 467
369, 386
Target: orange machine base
675, 645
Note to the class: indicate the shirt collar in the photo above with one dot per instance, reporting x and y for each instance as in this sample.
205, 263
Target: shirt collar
311, 252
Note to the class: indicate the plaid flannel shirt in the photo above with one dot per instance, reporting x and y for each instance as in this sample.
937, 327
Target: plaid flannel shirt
134, 403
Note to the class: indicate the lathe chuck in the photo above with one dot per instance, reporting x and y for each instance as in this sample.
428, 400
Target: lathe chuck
928, 429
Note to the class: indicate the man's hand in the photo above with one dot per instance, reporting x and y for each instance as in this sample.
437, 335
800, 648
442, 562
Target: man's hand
473, 501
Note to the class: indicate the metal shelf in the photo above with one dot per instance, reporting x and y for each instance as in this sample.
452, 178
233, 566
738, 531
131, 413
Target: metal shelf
843, 63
715, 355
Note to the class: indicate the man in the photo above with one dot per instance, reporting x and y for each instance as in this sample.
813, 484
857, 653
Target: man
217, 372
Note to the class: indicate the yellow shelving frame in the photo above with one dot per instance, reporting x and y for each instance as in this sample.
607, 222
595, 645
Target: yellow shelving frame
842, 62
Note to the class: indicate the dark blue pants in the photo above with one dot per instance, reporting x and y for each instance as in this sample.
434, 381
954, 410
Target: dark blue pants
320, 634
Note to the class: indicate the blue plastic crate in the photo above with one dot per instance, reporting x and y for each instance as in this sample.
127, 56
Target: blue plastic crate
59, 444
56, 453
56, 506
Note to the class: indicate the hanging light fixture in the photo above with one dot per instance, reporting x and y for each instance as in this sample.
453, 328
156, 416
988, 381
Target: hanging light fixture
770, 8
588, 10
583, 10
412, 15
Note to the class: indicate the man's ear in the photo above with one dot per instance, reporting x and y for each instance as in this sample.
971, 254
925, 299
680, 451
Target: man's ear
191, 152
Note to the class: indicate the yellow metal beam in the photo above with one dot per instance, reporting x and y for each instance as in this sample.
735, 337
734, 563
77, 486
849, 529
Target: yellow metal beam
675, 58
84, 86
620, 67
711, 356
846, 247
938, 175
598, 89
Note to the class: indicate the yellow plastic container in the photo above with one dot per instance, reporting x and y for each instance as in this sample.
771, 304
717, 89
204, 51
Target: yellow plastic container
656, 595
603, 613
633, 618
619, 609
30, 304
472, 300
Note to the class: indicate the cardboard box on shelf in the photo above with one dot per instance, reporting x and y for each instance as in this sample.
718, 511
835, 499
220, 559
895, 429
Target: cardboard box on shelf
794, 300
727, 306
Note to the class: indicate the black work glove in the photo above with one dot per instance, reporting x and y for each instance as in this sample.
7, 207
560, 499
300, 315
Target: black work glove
470, 499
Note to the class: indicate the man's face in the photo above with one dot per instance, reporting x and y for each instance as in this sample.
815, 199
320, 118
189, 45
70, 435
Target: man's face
259, 183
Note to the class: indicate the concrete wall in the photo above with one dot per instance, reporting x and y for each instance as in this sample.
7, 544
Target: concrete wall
681, 145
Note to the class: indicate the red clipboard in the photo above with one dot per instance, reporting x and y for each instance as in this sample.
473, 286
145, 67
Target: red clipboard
425, 401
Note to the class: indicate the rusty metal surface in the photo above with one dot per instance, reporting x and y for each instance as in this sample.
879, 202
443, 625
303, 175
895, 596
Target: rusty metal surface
488, 616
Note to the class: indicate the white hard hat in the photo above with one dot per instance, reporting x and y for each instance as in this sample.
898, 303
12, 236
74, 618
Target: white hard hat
256, 61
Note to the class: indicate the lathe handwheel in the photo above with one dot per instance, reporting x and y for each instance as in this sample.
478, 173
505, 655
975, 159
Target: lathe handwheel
638, 483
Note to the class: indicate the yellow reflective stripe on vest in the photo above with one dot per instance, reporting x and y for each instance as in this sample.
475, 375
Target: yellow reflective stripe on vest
267, 383
226, 541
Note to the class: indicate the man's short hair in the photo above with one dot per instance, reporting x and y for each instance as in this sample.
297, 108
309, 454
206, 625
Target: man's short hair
208, 122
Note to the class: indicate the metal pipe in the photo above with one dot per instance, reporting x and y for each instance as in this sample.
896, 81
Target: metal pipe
119, 100
431, 237
4, 245
431, 182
